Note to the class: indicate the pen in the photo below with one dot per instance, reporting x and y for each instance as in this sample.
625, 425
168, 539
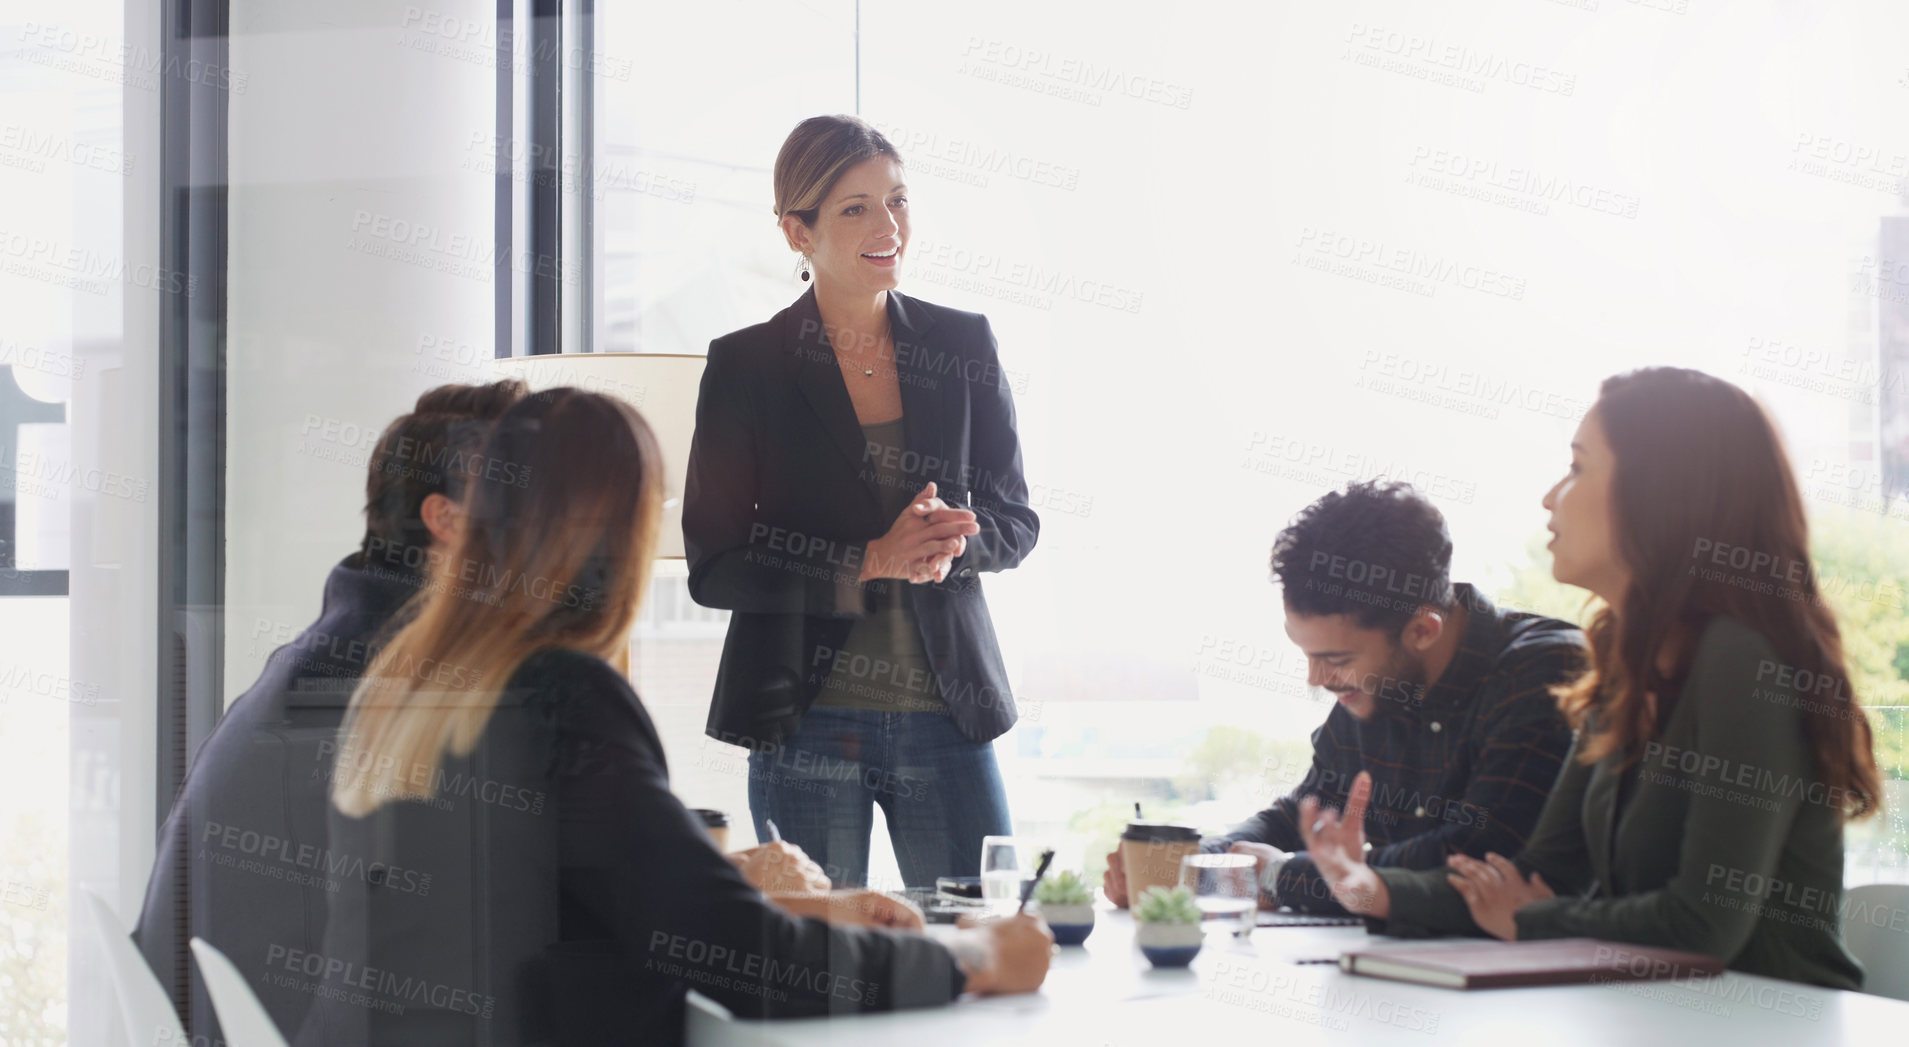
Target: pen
1027, 890
775, 834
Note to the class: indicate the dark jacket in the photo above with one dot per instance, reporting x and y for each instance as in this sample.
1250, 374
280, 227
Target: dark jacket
778, 509
1463, 768
241, 860
554, 891
1729, 844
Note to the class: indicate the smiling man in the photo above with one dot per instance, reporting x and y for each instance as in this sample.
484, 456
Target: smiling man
1445, 699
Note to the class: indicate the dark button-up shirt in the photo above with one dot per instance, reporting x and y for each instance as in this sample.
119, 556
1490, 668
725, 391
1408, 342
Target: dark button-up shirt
1465, 767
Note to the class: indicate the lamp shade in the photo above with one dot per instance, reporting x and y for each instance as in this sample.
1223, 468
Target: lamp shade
662, 387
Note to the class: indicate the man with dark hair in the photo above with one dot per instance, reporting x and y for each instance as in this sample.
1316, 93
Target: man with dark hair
487, 402
1443, 698
242, 859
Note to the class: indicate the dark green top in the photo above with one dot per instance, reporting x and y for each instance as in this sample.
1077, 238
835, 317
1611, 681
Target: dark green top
1726, 842
882, 664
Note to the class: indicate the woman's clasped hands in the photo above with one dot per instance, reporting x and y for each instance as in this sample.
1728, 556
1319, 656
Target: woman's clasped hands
923, 543
1495, 890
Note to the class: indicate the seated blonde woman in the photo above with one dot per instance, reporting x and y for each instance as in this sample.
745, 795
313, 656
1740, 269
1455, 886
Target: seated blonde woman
532, 879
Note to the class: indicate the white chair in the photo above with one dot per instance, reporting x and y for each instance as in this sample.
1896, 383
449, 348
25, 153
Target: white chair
1873, 922
706, 1021
241, 1015
143, 1004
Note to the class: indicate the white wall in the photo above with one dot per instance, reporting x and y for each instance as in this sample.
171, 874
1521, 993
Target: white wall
363, 128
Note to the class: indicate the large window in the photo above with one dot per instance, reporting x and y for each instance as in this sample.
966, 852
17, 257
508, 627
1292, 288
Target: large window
63, 169
1237, 261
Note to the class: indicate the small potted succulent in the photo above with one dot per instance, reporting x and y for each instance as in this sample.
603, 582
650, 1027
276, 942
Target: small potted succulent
1167, 926
1068, 907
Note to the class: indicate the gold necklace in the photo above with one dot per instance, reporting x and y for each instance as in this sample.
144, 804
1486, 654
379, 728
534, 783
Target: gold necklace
867, 372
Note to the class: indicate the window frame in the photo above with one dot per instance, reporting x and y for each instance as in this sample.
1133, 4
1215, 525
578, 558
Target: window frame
192, 392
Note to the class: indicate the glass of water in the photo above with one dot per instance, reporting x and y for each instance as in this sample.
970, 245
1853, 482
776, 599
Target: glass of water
1007, 862
1225, 888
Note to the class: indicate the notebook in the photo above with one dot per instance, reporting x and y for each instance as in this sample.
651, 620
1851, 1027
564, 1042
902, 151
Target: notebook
1562, 961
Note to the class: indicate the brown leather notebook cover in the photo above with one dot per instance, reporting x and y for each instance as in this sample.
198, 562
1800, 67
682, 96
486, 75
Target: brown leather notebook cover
1495, 965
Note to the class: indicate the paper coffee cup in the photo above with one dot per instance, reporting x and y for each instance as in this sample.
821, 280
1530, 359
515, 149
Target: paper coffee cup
1151, 852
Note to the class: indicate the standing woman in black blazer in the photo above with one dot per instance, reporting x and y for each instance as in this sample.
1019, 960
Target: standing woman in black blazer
855, 470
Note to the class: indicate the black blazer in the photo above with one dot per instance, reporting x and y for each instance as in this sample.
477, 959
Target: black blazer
554, 891
778, 509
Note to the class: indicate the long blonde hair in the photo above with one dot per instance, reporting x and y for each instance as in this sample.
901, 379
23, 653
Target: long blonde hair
560, 524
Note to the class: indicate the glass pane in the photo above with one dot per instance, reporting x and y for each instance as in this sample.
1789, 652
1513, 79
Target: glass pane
692, 102
63, 170
1239, 261
35, 690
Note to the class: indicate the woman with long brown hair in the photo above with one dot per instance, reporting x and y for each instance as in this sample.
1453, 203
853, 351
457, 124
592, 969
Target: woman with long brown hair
1720, 747
510, 864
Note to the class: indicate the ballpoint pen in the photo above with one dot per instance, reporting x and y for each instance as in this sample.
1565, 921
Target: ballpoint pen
1027, 889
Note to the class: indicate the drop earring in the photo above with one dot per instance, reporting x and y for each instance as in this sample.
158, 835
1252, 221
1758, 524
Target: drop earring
802, 268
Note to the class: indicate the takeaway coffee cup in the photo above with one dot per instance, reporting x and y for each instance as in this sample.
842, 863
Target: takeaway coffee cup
1151, 853
718, 825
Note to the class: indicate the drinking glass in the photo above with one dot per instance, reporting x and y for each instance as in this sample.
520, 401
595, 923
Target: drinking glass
1225, 889
1006, 863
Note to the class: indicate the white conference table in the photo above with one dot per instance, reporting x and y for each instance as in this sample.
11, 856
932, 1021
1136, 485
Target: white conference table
1104, 994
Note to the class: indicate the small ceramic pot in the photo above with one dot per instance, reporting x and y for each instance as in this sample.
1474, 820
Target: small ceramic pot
1071, 924
1168, 944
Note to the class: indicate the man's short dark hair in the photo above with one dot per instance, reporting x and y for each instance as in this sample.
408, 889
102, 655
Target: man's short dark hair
485, 403
1377, 551
427, 452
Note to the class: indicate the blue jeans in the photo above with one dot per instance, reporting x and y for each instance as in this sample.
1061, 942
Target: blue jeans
940, 793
